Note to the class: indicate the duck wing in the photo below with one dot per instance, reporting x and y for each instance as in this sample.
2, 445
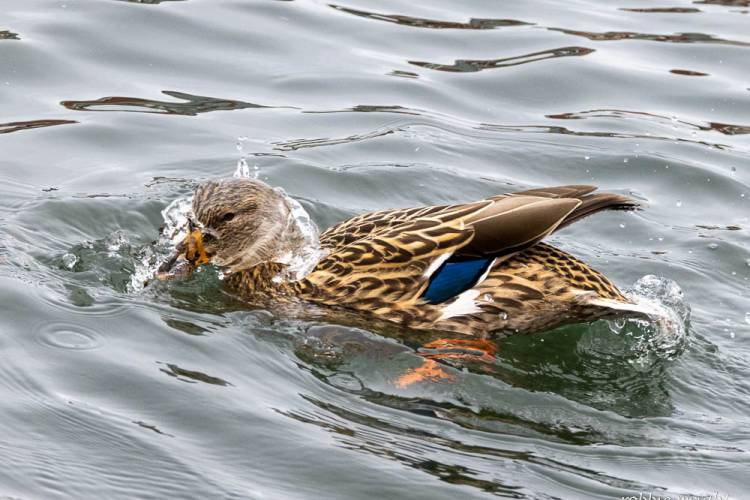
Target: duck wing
391, 257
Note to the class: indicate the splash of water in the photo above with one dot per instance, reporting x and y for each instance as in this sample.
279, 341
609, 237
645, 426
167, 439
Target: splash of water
664, 334
175, 228
306, 255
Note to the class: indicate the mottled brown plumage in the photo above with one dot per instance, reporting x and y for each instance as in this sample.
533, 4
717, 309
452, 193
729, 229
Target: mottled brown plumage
381, 263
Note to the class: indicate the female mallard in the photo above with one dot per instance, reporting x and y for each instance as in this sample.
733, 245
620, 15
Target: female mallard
476, 269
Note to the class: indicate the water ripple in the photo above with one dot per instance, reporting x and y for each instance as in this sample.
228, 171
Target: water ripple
662, 10
68, 336
419, 22
474, 65
6, 128
195, 104
722, 128
606, 36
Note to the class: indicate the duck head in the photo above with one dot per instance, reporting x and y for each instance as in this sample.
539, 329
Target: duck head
238, 224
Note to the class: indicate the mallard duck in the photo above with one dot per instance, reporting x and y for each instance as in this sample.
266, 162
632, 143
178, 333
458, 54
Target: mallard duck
478, 269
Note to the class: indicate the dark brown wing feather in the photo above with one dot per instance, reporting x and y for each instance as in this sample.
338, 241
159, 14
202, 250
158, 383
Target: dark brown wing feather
590, 203
511, 223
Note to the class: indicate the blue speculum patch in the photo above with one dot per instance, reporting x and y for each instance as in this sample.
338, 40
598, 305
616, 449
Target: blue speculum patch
455, 276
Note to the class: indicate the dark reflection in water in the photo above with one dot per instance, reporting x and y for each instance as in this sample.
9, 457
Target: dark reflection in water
151, 427
723, 128
728, 3
186, 326
403, 74
664, 10
312, 143
149, 2
426, 454
195, 104
582, 133
631, 35
471, 66
7, 35
192, 376
368, 108
687, 72
6, 128
418, 22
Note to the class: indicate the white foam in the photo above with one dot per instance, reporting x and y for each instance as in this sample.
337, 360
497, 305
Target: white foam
308, 252
664, 334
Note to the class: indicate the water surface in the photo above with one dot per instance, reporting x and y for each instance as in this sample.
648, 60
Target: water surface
112, 109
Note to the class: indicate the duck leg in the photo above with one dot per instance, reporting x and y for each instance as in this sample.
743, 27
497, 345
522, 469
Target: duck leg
447, 350
465, 349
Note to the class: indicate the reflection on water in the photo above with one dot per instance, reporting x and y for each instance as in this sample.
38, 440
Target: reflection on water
191, 376
195, 104
630, 35
728, 3
663, 10
687, 72
418, 22
150, 1
471, 66
6, 128
722, 128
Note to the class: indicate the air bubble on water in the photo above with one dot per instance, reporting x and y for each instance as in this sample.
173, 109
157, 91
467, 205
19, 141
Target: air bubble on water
69, 260
664, 333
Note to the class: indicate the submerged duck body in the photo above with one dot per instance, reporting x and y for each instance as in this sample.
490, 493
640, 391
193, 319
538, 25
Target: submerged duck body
478, 269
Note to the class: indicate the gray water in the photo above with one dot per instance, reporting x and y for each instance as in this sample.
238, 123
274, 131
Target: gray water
109, 110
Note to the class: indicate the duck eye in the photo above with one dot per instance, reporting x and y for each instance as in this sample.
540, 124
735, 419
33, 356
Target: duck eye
227, 217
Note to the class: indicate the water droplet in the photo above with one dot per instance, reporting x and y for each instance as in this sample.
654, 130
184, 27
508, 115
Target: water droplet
678, 204
242, 171
69, 260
